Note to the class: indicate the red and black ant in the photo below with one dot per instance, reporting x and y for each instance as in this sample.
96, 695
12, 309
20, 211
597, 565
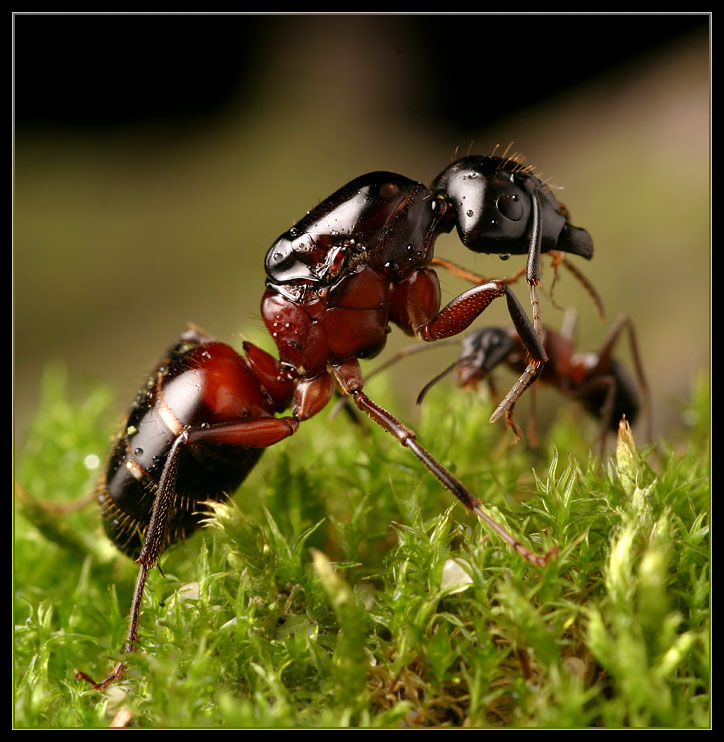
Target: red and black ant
357, 262
602, 385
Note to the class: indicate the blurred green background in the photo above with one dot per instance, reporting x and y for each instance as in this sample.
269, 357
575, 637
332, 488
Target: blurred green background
158, 157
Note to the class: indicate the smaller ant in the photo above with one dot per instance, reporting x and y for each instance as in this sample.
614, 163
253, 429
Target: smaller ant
604, 387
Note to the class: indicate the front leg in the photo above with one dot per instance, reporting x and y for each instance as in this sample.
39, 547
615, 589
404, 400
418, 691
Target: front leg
532, 268
557, 260
413, 308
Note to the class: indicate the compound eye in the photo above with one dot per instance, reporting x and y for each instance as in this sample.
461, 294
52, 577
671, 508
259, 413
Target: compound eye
437, 203
510, 207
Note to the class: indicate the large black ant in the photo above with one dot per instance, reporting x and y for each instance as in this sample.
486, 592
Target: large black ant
357, 262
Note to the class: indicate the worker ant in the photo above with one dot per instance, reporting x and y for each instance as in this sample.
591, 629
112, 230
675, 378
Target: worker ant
357, 262
604, 387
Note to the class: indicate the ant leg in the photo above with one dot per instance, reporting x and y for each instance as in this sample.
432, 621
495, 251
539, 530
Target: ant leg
532, 269
609, 383
605, 353
464, 309
404, 353
342, 405
588, 286
568, 326
155, 540
349, 377
470, 276
153, 545
505, 408
460, 313
414, 306
131, 637
558, 259
343, 402
623, 321
259, 433
532, 433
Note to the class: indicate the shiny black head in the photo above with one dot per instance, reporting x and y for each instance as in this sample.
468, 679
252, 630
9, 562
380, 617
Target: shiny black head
492, 202
481, 352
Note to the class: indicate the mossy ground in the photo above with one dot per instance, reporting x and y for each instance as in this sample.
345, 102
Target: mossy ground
342, 587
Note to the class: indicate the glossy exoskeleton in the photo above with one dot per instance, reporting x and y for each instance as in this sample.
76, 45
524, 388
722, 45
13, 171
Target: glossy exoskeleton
357, 262
216, 406
601, 384
377, 233
200, 385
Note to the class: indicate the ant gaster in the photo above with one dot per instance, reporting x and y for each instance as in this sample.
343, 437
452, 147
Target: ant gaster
357, 262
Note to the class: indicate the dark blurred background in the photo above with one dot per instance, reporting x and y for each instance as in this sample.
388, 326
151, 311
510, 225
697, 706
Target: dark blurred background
158, 156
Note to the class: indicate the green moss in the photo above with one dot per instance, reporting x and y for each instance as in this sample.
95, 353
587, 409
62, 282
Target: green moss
343, 588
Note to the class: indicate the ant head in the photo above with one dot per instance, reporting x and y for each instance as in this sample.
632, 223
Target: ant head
491, 209
481, 352
491, 198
